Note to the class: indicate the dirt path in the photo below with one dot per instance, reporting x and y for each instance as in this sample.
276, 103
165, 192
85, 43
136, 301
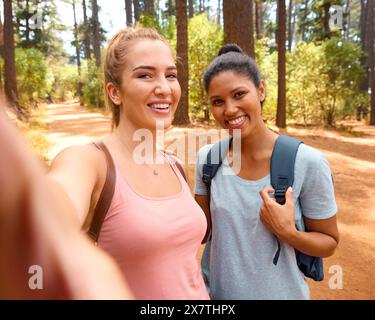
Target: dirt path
352, 159
69, 124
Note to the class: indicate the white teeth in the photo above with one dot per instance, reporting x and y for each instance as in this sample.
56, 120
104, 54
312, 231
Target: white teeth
159, 106
237, 120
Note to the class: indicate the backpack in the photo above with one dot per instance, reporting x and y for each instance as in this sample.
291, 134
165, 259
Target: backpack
106, 195
282, 176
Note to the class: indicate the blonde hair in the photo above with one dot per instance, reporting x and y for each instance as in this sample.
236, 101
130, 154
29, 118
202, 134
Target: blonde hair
115, 59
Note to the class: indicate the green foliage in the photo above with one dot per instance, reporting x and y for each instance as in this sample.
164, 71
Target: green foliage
312, 19
344, 72
205, 39
37, 25
304, 74
63, 78
93, 82
148, 21
267, 63
168, 30
323, 80
31, 70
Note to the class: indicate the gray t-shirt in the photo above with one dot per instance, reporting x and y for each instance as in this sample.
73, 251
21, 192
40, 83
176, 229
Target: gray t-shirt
238, 262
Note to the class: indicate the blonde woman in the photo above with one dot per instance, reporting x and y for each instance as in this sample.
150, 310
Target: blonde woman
153, 227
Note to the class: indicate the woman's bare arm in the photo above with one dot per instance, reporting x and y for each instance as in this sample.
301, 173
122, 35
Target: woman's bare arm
38, 226
204, 203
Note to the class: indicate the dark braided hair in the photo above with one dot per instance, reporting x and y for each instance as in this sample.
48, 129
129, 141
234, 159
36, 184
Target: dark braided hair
232, 58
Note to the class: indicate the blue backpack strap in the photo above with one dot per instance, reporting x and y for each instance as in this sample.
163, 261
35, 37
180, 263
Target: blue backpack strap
214, 160
282, 172
282, 165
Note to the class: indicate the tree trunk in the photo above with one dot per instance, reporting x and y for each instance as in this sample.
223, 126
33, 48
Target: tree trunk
149, 8
27, 26
281, 88
191, 8
347, 8
129, 13
78, 51
326, 17
136, 10
363, 22
171, 8
371, 54
219, 5
250, 27
239, 29
303, 18
364, 85
86, 36
96, 36
182, 112
259, 19
290, 30
10, 82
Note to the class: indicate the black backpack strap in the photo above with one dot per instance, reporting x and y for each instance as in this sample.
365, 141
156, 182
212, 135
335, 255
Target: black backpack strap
106, 195
282, 172
213, 162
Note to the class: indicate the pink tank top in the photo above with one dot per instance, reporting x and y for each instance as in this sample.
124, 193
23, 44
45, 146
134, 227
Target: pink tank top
155, 241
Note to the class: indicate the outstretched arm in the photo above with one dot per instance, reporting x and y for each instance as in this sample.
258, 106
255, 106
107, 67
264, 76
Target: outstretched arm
35, 229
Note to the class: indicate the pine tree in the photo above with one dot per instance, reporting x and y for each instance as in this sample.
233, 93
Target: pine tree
10, 83
281, 88
182, 112
238, 28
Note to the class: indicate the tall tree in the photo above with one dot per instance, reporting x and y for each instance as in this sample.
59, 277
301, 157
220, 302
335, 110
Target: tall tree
281, 88
96, 32
191, 8
10, 83
76, 42
182, 112
129, 13
78, 49
239, 28
37, 25
259, 19
136, 10
364, 86
371, 55
86, 32
171, 8
149, 7
303, 24
218, 15
290, 25
347, 27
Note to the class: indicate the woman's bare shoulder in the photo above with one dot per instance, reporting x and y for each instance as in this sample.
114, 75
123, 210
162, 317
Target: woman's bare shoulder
79, 156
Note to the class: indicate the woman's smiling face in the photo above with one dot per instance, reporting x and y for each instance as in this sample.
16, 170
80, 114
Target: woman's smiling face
149, 91
236, 102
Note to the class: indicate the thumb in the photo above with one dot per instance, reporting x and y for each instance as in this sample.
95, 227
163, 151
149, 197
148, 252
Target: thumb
289, 200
